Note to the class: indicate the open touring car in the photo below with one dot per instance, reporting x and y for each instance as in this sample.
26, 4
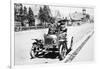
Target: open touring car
54, 41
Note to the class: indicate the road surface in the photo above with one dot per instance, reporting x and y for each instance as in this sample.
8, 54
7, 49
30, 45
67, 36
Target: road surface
87, 52
23, 43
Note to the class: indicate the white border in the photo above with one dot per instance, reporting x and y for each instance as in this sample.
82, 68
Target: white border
12, 31
12, 34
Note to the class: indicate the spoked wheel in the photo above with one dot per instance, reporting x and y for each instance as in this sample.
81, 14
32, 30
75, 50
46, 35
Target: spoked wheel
33, 52
62, 52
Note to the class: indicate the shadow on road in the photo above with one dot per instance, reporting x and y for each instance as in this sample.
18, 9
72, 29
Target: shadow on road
50, 55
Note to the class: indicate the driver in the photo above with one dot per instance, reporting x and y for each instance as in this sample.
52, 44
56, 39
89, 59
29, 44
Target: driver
63, 30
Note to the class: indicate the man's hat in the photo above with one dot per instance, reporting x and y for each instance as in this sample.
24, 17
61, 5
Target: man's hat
84, 10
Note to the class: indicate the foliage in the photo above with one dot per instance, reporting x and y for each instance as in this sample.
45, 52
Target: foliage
45, 15
31, 18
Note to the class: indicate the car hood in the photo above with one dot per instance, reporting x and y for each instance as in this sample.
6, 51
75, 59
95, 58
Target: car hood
52, 36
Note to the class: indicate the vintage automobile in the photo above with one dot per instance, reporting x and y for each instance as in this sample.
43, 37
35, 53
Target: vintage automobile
54, 41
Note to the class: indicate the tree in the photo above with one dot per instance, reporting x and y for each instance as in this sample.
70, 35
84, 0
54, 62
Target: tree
21, 16
25, 10
46, 11
18, 11
31, 18
15, 12
41, 15
25, 13
21, 9
44, 14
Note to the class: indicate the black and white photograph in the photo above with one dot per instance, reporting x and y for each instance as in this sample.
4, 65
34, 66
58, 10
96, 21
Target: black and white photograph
46, 34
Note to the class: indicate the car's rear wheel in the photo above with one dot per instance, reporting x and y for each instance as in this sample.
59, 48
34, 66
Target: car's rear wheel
62, 51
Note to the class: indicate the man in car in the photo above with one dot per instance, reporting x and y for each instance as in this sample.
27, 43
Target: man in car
62, 31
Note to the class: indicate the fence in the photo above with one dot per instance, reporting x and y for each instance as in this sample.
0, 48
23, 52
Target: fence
23, 28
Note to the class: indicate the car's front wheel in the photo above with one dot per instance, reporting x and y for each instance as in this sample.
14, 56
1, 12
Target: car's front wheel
62, 51
33, 51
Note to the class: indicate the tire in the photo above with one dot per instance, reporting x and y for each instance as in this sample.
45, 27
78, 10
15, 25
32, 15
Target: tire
62, 52
33, 52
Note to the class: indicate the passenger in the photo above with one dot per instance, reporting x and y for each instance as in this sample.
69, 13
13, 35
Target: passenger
52, 29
